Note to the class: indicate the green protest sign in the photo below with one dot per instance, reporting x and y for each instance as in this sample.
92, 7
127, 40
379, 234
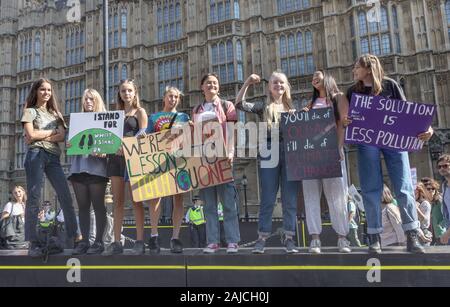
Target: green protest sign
95, 132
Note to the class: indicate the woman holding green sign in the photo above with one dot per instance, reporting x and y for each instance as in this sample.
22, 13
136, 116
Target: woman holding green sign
135, 125
370, 80
89, 180
44, 128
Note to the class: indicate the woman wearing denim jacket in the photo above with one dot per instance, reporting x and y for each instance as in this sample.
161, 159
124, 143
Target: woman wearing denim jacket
278, 101
213, 108
44, 128
370, 80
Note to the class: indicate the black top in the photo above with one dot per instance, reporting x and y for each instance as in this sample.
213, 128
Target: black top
131, 126
390, 89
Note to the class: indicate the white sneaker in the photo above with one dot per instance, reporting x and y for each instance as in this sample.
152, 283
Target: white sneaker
232, 248
343, 245
211, 248
314, 247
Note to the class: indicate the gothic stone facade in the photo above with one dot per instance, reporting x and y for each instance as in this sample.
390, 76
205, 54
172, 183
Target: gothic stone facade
177, 41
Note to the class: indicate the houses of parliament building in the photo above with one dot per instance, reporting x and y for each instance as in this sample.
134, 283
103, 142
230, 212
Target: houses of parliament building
175, 42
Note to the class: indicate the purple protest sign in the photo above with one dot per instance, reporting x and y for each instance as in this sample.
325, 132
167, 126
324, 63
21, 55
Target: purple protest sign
388, 123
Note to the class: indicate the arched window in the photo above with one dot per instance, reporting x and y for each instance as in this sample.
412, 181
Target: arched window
447, 14
170, 73
362, 23
240, 61
221, 10
237, 13
376, 39
169, 22
296, 53
124, 73
37, 50
224, 57
287, 6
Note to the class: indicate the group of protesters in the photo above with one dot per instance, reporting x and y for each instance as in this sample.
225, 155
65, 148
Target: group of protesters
44, 128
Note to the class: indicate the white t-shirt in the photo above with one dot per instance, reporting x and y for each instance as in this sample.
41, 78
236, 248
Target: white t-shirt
208, 112
18, 209
425, 208
320, 103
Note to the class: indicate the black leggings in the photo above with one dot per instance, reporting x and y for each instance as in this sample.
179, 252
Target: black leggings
86, 194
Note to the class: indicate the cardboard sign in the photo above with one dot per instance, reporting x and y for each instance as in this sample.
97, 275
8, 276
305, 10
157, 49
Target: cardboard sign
310, 145
388, 123
158, 167
95, 132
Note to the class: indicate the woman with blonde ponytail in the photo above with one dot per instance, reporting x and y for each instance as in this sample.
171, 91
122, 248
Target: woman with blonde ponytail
370, 80
278, 101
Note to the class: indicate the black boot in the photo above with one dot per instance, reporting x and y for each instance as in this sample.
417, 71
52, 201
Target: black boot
412, 242
374, 243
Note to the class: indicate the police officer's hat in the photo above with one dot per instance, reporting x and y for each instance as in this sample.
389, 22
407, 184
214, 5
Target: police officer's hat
195, 198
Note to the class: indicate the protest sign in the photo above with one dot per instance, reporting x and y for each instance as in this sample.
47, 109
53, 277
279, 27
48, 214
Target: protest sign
388, 123
95, 132
159, 166
310, 144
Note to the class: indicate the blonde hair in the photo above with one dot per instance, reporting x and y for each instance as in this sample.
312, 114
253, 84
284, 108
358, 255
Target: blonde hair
135, 103
371, 62
24, 198
386, 197
173, 89
99, 105
269, 114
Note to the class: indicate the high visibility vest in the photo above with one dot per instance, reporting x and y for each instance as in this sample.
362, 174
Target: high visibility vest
196, 215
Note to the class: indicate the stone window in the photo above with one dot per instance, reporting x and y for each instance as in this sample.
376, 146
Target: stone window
296, 53
170, 73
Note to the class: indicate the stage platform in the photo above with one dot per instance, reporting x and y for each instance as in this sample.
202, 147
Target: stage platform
194, 269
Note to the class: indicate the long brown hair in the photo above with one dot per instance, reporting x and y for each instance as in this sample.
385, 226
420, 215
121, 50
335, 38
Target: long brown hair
51, 106
371, 62
423, 193
135, 103
331, 90
433, 184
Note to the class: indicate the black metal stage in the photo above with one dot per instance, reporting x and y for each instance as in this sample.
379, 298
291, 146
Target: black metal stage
194, 269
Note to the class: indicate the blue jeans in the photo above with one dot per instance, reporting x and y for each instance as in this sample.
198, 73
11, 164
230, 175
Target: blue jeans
37, 162
227, 194
371, 180
270, 179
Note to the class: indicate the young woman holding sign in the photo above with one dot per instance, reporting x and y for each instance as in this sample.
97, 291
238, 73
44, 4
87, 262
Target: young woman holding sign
44, 128
214, 108
370, 80
89, 180
326, 94
135, 125
158, 122
278, 100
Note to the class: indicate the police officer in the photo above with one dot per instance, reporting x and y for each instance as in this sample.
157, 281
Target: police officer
197, 223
